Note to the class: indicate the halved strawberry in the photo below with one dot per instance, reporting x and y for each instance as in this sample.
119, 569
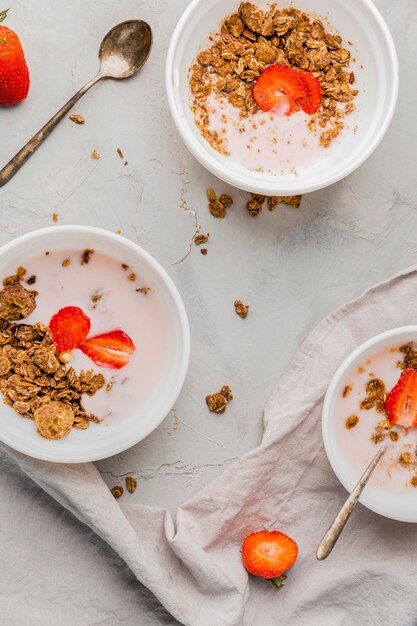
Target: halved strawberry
109, 349
278, 89
69, 327
269, 554
311, 102
401, 402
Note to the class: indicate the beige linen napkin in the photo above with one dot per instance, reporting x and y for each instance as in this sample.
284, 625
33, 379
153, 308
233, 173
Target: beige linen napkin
193, 564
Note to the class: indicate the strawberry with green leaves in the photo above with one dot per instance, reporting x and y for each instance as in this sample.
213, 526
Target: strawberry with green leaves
14, 73
269, 554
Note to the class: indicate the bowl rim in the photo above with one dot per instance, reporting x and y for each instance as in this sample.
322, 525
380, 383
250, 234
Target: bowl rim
330, 448
185, 338
213, 165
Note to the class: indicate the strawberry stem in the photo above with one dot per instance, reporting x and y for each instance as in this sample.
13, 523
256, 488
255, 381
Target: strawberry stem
277, 582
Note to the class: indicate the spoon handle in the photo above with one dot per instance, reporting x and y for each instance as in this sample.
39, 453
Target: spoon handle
329, 540
33, 144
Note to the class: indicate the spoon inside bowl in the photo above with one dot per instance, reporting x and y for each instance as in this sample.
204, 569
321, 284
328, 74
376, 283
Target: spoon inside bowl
329, 540
122, 53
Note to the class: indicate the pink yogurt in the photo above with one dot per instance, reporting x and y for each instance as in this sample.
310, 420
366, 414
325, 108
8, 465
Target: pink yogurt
140, 316
355, 445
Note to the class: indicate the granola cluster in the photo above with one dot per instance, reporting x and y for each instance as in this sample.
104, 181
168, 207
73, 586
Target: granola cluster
375, 396
217, 402
33, 380
218, 205
410, 356
251, 40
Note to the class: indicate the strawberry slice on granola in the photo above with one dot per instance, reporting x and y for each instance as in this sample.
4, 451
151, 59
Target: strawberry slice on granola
278, 89
111, 349
285, 89
68, 328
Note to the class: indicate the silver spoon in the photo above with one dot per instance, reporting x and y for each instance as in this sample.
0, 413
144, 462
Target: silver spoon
122, 53
329, 540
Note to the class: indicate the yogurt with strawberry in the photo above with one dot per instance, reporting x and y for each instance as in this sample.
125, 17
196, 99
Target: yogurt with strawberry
377, 403
103, 318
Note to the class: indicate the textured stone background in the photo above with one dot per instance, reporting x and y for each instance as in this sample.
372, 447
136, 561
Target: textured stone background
291, 266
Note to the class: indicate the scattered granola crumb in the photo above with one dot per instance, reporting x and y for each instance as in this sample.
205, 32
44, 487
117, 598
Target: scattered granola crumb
31, 280
410, 356
346, 391
218, 206
125, 267
47, 253
413, 481
377, 437
118, 231
254, 206
86, 255
394, 435
273, 201
241, 309
66, 262
204, 251
120, 153
131, 484
144, 290
77, 119
95, 298
352, 421
117, 491
55, 217
405, 458
200, 239
384, 425
95, 155
126, 163
217, 402
132, 277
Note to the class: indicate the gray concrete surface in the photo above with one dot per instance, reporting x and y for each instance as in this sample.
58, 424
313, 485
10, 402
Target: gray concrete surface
291, 266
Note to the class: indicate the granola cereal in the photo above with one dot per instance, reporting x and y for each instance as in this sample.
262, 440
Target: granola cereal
86, 255
117, 491
131, 484
204, 251
217, 402
351, 421
77, 119
241, 309
252, 39
200, 239
218, 205
95, 155
54, 419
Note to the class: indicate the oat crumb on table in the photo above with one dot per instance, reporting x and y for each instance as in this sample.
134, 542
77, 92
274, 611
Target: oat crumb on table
413, 481
241, 309
218, 205
131, 484
204, 251
120, 153
200, 239
77, 119
217, 402
95, 155
117, 491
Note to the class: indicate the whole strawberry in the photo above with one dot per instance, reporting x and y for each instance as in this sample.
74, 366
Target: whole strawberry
14, 73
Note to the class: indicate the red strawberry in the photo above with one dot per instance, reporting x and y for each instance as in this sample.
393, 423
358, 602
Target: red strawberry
14, 73
269, 554
69, 327
311, 102
278, 89
109, 349
401, 402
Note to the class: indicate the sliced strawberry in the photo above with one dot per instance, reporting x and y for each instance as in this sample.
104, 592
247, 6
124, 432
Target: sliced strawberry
69, 327
311, 102
269, 554
401, 402
278, 89
109, 349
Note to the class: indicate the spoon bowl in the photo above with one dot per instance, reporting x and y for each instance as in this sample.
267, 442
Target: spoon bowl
125, 49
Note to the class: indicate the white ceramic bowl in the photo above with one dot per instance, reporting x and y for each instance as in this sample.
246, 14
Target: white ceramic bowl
401, 506
101, 441
357, 21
